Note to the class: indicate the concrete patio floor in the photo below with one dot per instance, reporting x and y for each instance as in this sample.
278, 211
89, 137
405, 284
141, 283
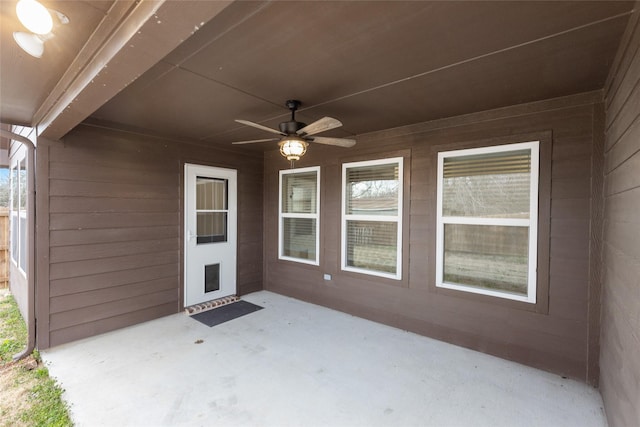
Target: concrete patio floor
297, 364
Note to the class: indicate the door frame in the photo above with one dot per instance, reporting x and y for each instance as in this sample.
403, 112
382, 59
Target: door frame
232, 218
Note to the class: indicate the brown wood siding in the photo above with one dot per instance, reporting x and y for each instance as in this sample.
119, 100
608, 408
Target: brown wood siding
115, 229
555, 338
620, 331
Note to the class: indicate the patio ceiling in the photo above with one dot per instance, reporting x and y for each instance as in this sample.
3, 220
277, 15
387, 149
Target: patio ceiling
373, 65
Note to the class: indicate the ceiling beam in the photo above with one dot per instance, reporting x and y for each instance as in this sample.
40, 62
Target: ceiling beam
133, 36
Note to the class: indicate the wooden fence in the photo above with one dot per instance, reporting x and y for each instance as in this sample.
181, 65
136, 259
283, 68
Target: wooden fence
4, 248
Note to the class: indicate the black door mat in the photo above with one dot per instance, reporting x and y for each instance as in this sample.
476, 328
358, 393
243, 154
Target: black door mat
226, 312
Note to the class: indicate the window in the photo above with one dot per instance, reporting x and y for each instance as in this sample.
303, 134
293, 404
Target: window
299, 215
22, 176
372, 217
19, 214
487, 220
15, 202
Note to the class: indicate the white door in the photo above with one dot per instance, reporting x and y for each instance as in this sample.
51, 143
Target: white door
210, 233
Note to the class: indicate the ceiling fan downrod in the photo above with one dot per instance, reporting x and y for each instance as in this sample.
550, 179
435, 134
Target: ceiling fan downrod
293, 105
292, 126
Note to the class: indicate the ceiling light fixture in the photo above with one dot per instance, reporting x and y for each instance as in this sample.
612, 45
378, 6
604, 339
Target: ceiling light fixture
33, 44
292, 148
37, 19
34, 16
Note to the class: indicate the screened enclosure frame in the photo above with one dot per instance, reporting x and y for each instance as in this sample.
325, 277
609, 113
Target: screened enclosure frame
531, 222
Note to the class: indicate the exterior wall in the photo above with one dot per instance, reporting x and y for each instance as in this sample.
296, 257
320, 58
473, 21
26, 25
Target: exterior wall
556, 334
619, 359
113, 254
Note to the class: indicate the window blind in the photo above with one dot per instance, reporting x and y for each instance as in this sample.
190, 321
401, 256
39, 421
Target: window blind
372, 190
487, 185
299, 192
488, 164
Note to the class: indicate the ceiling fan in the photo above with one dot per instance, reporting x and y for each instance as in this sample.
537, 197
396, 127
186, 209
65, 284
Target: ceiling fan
296, 136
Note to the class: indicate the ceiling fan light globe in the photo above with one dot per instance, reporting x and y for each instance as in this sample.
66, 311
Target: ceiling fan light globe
293, 148
34, 16
30, 43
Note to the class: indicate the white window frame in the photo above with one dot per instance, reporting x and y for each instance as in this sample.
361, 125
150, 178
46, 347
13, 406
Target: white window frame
283, 215
374, 218
531, 222
18, 217
14, 179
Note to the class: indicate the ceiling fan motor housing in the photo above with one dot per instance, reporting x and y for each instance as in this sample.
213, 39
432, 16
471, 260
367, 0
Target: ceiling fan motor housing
291, 127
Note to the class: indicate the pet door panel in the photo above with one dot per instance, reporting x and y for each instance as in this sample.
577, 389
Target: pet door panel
211, 278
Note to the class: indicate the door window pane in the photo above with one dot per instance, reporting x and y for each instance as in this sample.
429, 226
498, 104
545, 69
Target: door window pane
212, 227
211, 210
211, 194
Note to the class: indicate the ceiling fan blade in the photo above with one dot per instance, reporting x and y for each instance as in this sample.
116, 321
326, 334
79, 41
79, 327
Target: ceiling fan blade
325, 123
257, 126
255, 140
340, 142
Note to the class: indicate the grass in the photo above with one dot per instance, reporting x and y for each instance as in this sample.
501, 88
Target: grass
29, 396
13, 331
